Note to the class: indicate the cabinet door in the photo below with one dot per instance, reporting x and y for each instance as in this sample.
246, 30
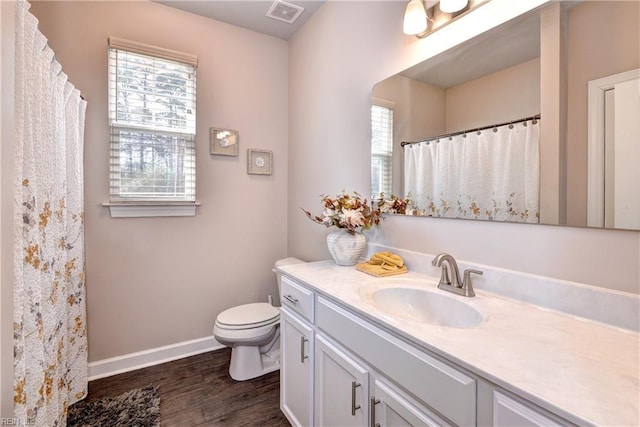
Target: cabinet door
296, 385
509, 412
342, 387
392, 407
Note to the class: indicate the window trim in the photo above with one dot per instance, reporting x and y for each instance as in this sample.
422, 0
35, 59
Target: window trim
149, 209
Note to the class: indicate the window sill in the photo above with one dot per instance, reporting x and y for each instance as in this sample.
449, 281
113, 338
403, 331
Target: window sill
146, 210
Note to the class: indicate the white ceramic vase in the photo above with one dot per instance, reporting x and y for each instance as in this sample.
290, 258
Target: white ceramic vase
346, 248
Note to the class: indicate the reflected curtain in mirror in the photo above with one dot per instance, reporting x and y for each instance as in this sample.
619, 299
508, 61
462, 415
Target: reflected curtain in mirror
492, 174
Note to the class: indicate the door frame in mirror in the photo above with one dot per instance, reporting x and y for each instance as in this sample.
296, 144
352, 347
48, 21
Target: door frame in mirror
596, 144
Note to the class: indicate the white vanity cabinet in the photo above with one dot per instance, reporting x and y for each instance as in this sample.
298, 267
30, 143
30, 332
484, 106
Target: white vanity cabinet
324, 383
340, 369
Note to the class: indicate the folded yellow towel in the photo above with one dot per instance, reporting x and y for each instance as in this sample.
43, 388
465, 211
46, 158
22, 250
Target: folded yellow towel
383, 264
388, 258
378, 270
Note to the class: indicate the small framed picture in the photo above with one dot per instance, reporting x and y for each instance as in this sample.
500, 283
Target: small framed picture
224, 142
259, 162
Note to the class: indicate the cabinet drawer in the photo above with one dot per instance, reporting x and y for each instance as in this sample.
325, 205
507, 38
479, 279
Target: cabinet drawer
297, 298
442, 387
395, 408
510, 412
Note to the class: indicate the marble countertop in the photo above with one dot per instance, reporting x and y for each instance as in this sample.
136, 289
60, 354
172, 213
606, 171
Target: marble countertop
582, 370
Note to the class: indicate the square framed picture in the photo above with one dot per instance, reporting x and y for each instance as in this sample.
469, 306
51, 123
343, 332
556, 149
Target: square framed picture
259, 162
224, 142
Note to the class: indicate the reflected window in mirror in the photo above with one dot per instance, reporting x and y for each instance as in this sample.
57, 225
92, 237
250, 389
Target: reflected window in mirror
381, 148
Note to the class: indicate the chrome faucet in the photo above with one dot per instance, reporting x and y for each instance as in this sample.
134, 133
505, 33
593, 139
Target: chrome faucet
451, 282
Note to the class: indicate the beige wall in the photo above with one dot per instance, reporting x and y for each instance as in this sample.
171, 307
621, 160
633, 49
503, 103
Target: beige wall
159, 281
594, 51
509, 94
335, 60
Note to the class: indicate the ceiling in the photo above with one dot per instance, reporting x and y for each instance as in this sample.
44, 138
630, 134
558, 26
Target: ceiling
249, 14
509, 44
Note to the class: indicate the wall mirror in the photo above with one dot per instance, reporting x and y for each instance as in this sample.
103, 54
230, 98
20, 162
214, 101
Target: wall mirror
574, 64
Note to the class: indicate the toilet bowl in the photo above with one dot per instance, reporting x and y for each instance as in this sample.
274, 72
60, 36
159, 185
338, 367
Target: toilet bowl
253, 333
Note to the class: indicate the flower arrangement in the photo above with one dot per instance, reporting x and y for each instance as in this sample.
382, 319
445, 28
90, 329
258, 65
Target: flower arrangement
348, 211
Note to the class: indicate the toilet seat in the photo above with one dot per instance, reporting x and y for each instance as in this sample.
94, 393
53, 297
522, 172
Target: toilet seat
248, 324
248, 316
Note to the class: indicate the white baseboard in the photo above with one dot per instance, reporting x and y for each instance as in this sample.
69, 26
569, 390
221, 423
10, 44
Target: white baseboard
154, 356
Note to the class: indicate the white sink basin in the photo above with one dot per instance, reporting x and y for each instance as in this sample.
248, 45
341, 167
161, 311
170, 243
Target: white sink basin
426, 306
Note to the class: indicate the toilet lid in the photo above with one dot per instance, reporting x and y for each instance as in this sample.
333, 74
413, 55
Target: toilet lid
251, 315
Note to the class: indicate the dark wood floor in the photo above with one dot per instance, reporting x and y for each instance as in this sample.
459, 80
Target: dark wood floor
198, 391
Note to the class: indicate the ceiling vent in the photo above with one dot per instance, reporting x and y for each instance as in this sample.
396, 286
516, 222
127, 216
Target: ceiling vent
283, 11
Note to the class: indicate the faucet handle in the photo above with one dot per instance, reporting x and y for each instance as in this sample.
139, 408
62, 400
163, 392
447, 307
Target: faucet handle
466, 281
468, 272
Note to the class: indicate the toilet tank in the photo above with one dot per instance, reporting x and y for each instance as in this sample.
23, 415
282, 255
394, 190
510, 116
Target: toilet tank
281, 263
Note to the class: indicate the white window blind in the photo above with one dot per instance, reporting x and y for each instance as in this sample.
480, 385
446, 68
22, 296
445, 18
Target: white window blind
381, 149
152, 121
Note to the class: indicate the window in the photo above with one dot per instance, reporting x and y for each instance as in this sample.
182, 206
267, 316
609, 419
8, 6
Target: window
152, 123
381, 149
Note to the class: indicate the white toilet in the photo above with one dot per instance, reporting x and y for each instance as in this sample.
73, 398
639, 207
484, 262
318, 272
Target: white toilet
253, 333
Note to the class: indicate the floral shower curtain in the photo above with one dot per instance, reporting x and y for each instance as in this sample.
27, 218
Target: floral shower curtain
493, 174
50, 335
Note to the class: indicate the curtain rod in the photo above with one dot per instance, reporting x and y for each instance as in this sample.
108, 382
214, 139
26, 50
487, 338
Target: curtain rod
448, 135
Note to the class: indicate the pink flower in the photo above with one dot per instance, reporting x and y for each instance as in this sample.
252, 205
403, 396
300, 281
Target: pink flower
352, 218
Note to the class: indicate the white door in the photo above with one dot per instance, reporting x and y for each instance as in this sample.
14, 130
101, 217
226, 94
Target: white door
614, 151
342, 387
296, 385
627, 155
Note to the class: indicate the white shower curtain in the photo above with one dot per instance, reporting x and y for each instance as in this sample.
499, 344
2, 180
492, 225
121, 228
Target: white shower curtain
488, 174
50, 335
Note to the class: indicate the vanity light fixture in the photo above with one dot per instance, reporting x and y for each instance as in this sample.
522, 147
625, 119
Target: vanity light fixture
415, 18
452, 6
424, 17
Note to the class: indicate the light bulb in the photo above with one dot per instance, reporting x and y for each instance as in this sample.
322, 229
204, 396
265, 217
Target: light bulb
451, 6
415, 18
